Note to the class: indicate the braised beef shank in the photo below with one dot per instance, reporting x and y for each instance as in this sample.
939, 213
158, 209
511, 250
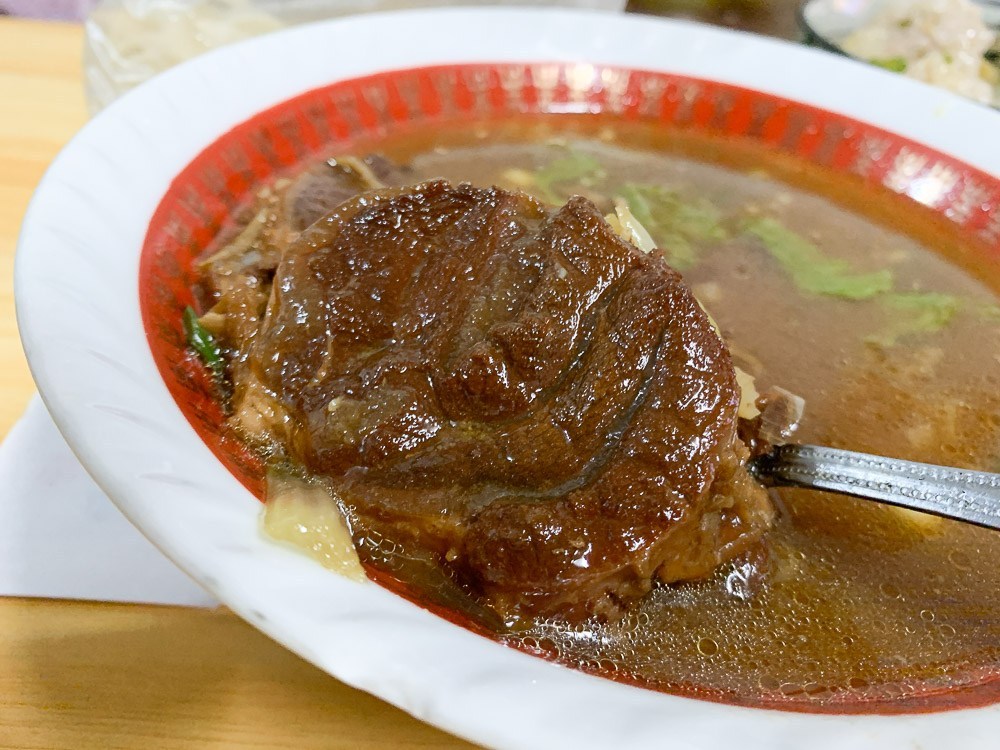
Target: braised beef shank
510, 387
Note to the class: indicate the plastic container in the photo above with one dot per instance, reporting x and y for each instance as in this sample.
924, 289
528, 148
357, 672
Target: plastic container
129, 41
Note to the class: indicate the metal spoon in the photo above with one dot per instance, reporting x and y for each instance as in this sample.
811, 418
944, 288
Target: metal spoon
971, 496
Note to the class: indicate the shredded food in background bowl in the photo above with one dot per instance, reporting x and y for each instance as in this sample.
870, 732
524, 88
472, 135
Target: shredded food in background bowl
941, 42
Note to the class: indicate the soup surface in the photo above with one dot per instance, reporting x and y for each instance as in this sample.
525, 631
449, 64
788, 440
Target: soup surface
866, 306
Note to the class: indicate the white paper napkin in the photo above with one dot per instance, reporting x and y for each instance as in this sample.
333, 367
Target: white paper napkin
60, 536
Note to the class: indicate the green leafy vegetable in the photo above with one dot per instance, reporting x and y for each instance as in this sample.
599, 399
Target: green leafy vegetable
810, 269
914, 313
895, 64
988, 312
203, 343
677, 226
574, 167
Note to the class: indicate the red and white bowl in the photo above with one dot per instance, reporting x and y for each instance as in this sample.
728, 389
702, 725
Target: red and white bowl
104, 269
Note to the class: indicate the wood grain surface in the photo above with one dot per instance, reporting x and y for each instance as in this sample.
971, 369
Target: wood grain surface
85, 675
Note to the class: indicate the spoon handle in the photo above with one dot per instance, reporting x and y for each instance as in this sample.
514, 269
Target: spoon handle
972, 496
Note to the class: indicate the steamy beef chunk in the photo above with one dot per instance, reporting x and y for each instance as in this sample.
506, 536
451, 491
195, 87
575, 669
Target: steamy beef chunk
239, 272
511, 388
779, 413
313, 193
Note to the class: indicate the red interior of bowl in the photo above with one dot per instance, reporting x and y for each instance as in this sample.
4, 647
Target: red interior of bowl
207, 192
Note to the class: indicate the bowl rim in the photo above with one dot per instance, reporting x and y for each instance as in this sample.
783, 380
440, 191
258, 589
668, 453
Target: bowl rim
78, 312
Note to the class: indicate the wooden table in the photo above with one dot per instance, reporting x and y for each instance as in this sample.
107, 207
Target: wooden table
78, 675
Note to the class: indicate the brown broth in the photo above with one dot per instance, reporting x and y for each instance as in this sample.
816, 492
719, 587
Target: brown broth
851, 601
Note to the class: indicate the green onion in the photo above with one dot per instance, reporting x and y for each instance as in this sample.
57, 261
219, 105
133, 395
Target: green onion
895, 64
203, 343
987, 311
574, 167
915, 313
677, 226
810, 269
